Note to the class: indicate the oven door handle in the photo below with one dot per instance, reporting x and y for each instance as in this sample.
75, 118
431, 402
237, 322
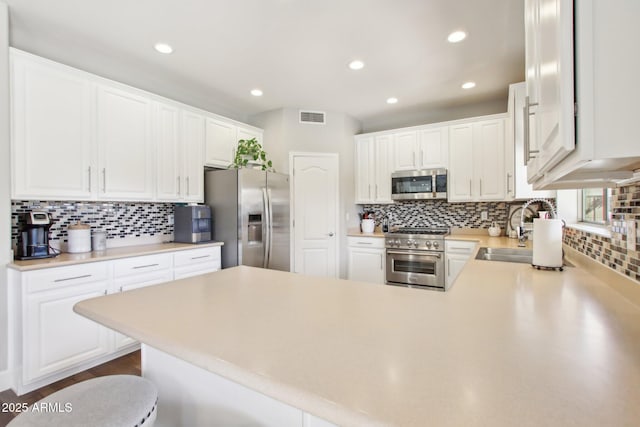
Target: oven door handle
437, 255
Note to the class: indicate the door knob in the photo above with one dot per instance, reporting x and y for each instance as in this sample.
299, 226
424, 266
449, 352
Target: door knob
330, 234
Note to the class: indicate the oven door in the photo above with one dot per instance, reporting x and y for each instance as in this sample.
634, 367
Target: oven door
415, 268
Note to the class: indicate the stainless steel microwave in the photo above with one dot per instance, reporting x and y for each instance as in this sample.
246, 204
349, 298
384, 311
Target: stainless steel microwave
419, 184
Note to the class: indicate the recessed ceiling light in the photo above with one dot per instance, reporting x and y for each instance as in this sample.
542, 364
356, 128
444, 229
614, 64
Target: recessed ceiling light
392, 100
256, 92
469, 85
163, 48
356, 65
457, 36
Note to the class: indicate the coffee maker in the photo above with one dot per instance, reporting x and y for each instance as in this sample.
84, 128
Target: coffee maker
33, 240
192, 224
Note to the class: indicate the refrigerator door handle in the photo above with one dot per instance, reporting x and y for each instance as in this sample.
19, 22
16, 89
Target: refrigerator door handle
266, 224
269, 228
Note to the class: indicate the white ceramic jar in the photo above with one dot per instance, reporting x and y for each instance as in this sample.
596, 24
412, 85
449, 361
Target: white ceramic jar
79, 238
99, 240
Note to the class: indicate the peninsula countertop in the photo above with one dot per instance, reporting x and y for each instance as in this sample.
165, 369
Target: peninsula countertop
507, 345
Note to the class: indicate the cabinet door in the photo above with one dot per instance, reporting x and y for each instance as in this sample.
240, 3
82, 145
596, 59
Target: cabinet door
364, 158
382, 172
488, 163
555, 110
455, 264
366, 265
405, 151
128, 284
167, 140
433, 147
245, 133
126, 153
193, 140
460, 162
55, 337
221, 143
51, 142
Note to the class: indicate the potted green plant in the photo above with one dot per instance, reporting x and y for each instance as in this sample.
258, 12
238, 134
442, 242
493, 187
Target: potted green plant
250, 153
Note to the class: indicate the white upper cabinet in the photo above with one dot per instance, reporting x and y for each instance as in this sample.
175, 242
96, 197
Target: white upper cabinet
77, 136
433, 148
517, 185
476, 161
221, 143
374, 159
405, 144
126, 153
51, 142
193, 140
168, 148
581, 83
425, 148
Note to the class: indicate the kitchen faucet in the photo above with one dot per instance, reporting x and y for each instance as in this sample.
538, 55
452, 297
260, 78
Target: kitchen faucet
522, 233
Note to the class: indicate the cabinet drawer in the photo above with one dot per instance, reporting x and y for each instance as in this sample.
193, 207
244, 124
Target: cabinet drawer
464, 247
51, 278
196, 256
141, 264
366, 242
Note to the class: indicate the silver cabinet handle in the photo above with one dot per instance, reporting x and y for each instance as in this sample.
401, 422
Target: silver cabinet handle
376, 191
470, 188
146, 266
381, 266
359, 243
187, 186
527, 143
454, 248
369, 191
104, 180
120, 288
200, 257
89, 179
481, 187
178, 185
508, 182
421, 159
72, 278
414, 158
449, 267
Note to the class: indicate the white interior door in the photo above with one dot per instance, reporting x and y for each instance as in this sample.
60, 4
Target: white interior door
315, 219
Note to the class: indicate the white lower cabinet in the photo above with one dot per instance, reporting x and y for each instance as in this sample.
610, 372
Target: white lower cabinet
139, 272
194, 262
457, 253
50, 341
54, 337
366, 259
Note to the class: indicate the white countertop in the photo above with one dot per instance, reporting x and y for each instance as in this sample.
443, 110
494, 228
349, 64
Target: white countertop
123, 252
507, 345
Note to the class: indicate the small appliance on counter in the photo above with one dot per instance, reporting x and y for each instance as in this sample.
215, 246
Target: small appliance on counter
33, 240
547, 243
79, 238
192, 224
99, 240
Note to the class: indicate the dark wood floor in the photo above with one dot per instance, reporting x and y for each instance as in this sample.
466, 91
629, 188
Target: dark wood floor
128, 364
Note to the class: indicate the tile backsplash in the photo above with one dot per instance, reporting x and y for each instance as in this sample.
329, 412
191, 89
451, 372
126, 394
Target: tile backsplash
120, 220
612, 251
440, 213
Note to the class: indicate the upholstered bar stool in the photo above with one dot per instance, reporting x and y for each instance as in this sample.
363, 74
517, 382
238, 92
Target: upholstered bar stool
110, 401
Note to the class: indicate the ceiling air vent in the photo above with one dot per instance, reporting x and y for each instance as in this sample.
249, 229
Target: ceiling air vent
313, 117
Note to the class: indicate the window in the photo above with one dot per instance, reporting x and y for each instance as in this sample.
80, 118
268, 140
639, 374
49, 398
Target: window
596, 205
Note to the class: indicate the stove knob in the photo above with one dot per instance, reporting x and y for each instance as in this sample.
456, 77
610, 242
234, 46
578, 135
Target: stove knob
416, 244
427, 244
410, 242
397, 242
435, 245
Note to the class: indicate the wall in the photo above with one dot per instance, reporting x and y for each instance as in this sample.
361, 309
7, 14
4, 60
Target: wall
122, 221
283, 133
5, 191
612, 251
436, 114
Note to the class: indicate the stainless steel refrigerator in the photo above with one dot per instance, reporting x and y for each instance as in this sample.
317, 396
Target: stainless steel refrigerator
250, 211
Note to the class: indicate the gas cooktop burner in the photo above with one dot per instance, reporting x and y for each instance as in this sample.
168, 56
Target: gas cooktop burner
421, 230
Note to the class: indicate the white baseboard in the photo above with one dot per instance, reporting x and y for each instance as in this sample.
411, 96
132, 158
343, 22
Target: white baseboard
5, 380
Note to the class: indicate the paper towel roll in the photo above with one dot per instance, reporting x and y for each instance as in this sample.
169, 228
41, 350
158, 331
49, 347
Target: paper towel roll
547, 242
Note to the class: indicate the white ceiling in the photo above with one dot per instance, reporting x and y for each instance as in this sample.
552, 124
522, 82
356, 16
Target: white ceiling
296, 51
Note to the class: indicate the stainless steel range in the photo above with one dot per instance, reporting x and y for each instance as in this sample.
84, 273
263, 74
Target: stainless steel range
415, 257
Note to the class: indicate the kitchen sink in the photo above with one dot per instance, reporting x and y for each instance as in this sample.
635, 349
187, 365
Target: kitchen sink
505, 254
524, 256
